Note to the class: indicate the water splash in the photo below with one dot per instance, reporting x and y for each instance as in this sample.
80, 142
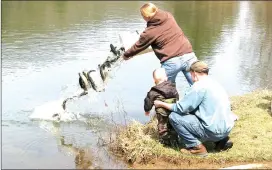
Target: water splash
56, 110
53, 111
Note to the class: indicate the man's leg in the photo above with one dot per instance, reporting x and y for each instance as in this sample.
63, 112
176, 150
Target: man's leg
188, 77
187, 60
181, 63
190, 129
172, 68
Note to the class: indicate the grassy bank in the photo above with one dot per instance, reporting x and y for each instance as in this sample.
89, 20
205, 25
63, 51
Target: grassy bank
252, 136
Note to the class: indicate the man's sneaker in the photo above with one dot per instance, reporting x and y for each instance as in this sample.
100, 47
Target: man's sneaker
199, 150
223, 144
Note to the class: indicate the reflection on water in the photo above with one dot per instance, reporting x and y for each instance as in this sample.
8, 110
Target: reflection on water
257, 69
45, 44
83, 156
204, 22
244, 53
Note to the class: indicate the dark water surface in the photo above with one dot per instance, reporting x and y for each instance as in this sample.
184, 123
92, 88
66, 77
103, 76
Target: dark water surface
45, 44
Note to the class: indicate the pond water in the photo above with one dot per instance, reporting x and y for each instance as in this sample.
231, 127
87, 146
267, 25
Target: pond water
45, 44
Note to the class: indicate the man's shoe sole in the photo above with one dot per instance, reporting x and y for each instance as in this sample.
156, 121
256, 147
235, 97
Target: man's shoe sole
187, 152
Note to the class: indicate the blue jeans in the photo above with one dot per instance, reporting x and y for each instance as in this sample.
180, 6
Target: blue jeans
180, 63
189, 128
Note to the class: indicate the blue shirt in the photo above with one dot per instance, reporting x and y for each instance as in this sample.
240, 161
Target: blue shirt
212, 105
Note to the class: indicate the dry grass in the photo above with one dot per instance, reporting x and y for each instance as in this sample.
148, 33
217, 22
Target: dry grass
252, 136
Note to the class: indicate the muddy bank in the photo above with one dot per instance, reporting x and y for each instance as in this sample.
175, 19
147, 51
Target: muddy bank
164, 164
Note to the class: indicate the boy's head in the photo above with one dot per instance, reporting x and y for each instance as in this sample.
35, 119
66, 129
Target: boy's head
159, 75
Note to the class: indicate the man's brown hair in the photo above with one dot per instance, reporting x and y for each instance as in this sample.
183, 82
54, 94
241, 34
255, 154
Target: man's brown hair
199, 67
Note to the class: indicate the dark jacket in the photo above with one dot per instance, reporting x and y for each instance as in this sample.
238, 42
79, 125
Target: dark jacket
165, 37
162, 91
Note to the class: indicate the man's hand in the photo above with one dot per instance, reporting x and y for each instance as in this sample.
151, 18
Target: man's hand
158, 103
126, 58
147, 113
167, 106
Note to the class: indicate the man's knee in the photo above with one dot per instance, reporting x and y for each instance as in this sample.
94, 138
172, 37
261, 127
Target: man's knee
172, 116
174, 119
184, 120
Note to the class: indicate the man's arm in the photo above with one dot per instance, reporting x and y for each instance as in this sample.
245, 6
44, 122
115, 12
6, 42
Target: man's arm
167, 106
189, 103
143, 42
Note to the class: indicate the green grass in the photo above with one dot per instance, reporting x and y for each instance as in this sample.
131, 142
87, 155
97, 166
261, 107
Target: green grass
252, 136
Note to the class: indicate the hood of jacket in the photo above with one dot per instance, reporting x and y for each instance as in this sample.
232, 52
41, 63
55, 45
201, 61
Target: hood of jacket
158, 18
166, 89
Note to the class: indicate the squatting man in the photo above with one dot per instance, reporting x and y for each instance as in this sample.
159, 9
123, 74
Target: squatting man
203, 114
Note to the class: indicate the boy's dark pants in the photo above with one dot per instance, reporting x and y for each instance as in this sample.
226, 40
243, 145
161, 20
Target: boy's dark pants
167, 134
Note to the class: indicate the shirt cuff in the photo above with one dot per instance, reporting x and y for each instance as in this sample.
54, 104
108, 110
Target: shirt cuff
174, 107
126, 55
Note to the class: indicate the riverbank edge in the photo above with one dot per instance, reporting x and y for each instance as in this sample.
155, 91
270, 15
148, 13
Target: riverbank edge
138, 146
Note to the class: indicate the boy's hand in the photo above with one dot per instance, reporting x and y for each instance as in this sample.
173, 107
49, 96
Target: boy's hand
147, 113
158, 103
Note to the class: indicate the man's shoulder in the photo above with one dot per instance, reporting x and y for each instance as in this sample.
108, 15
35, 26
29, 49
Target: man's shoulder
199, 85
208, 84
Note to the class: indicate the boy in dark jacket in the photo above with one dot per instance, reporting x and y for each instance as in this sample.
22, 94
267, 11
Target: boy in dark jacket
165, 91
